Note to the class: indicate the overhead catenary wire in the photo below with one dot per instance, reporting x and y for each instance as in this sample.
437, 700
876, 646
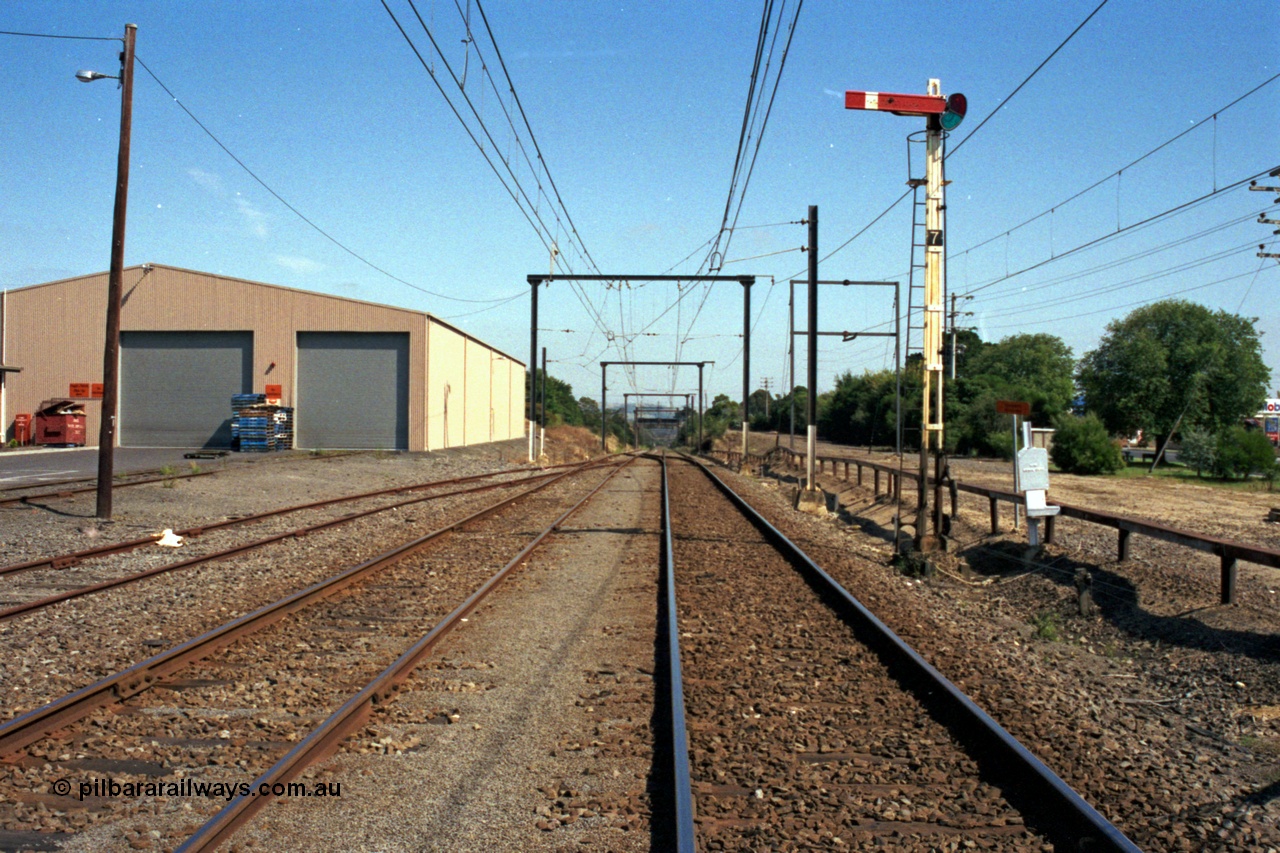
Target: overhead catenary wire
1025, 81
1111, 287
1114, 234
524, 198
749, 129
1125, 259
1119, 172
1166, 295
322, 232
1171, 212
57, 36
573, 228
950, 153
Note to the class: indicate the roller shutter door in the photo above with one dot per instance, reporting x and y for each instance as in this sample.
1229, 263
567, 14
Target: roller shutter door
176, 387
353, 390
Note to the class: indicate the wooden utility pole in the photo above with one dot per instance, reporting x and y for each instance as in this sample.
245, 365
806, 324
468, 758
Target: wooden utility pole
115, 284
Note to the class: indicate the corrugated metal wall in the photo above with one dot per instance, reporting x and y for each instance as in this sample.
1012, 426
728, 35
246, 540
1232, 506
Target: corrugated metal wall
353, 390
479, 381
175, 386
55, 334
446, 389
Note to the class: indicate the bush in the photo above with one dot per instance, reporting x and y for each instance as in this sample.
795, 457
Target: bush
1242, 452
1082, 446
1199, 450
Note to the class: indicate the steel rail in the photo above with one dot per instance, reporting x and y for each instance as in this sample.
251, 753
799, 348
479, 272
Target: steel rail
326, 738
70, 480
38, 604
34, 725
94, 480
684, 831
1061, 813
66, 493
63, 561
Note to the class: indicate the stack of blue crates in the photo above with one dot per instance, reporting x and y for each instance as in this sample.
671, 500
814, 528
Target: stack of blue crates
282, 420
257, 427
252, 429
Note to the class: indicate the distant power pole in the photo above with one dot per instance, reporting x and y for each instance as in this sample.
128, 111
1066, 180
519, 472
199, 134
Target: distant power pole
955, 314
768, 392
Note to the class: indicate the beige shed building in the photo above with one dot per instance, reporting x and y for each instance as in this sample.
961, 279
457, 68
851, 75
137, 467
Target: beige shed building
358, 374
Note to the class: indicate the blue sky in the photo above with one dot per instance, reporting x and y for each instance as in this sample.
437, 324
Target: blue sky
637, 111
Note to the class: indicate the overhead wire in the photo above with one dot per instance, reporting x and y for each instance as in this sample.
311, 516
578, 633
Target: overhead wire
57, 36
530, 206
1125, 259
1092, 293
1027, 80
334, 240
573, 228
741, 167
1003, 103
1128, 282
1118, 172
1114, 234
1059, 319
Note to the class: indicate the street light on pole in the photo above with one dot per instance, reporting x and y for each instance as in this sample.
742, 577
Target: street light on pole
111, 350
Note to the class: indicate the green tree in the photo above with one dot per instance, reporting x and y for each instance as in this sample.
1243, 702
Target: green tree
760, 409
1199, 450
590, 413
1172, 360
720, 415
562, 408
1242, 452
1032, 368
1082, 446
860, 409
782, 410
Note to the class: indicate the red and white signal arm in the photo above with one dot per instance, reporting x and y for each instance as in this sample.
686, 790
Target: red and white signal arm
903, 105
951, 108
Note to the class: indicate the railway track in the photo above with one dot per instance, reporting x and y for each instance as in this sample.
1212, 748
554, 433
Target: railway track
804, 720
240, 696
17, 598
69, 487
68, 491
809, 721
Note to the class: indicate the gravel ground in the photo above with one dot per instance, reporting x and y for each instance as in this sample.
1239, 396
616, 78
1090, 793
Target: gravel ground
61, 648
1161, 706
799, 736
550, 750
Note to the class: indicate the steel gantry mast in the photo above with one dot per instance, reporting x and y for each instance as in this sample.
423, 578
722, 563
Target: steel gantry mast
537, 279
604, 391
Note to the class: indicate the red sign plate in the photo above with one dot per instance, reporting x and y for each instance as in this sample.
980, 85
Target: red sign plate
1013, 407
